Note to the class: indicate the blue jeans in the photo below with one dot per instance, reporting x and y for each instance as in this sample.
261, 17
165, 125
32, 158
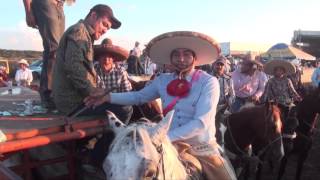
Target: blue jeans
51, 24
238, 103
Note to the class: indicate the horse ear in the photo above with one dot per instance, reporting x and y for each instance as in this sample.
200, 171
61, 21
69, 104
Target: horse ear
114, 123
160, 131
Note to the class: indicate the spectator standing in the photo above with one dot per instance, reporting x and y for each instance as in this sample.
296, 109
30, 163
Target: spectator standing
48, 17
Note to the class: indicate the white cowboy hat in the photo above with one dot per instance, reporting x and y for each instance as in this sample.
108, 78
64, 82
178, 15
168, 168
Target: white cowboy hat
207, 50
23, 61
288, 66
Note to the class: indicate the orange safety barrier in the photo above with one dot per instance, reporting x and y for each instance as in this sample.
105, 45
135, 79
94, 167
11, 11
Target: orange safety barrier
38, 132
17, 145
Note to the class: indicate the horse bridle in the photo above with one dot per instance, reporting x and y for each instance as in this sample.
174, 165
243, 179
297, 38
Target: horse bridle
159, 149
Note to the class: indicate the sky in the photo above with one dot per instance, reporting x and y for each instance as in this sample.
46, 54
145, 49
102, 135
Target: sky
249, 25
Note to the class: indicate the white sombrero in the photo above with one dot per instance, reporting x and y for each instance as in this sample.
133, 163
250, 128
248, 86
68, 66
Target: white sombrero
23, 61
288, 66
207, 50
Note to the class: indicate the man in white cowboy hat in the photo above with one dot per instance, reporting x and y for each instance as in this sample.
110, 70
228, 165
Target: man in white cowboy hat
279, 88
74, 76
193, 94
249, 83
23, 75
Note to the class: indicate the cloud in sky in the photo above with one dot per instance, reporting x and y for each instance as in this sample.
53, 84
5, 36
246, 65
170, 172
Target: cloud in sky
250, 25
20, 37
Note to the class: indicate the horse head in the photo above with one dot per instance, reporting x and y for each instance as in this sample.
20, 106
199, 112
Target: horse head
269, 142
142, 150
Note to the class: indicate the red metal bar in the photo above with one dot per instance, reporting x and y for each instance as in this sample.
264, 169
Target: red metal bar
17, 145
51, 130
89, 124
18, 118
32, 133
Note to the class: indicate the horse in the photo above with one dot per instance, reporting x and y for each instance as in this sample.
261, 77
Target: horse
142, 150
259, 127
151, 110
306, 112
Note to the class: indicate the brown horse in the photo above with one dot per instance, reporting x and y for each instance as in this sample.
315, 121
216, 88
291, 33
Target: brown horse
151, 110
307, 111
259, 126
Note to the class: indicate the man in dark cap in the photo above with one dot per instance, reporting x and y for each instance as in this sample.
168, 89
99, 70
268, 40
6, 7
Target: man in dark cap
74, 76
227, 94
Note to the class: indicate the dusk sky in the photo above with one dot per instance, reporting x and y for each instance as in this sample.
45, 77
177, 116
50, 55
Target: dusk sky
248, 24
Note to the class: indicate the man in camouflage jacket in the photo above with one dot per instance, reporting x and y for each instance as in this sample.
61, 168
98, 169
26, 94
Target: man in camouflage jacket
74, 76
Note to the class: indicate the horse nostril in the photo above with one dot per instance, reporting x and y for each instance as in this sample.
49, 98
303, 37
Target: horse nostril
150, 173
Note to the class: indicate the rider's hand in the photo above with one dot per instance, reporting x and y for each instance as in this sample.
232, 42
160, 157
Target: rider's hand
31, 20
255, 98
96, 98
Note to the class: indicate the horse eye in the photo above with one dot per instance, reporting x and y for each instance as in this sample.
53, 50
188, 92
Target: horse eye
117, 124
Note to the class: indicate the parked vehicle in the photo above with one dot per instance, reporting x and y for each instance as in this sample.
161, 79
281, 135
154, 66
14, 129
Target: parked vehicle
36, 67
5, 64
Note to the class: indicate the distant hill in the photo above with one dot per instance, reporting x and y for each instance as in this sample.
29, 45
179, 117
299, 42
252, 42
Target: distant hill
19, 54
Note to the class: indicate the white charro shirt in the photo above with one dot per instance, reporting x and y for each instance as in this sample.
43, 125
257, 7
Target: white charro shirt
194, 118
24, 75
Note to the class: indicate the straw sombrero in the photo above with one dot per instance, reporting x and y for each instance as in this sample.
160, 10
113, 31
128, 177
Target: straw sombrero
207, 50
288, 66
23, 61
106, 47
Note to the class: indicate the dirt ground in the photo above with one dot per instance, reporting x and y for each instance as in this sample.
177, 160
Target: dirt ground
311, 169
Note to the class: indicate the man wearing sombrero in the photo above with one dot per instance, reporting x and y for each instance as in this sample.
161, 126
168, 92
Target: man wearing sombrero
249, 83
279, 88
111, 77
193, 94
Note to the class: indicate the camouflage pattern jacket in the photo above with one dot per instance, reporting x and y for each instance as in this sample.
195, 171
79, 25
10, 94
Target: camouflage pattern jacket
74, 76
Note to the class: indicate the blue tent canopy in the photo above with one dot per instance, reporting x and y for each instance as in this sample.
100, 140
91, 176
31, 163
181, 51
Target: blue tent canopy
279, 46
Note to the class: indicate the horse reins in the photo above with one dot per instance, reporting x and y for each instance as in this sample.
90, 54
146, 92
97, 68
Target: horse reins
160, 163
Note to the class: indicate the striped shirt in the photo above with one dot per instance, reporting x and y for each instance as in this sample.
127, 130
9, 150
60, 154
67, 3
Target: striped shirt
116, 80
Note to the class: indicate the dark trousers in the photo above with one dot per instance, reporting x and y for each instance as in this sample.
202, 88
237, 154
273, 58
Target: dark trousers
51, 24
134, 66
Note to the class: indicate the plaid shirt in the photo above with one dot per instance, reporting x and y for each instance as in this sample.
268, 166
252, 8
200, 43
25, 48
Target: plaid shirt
116, 80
